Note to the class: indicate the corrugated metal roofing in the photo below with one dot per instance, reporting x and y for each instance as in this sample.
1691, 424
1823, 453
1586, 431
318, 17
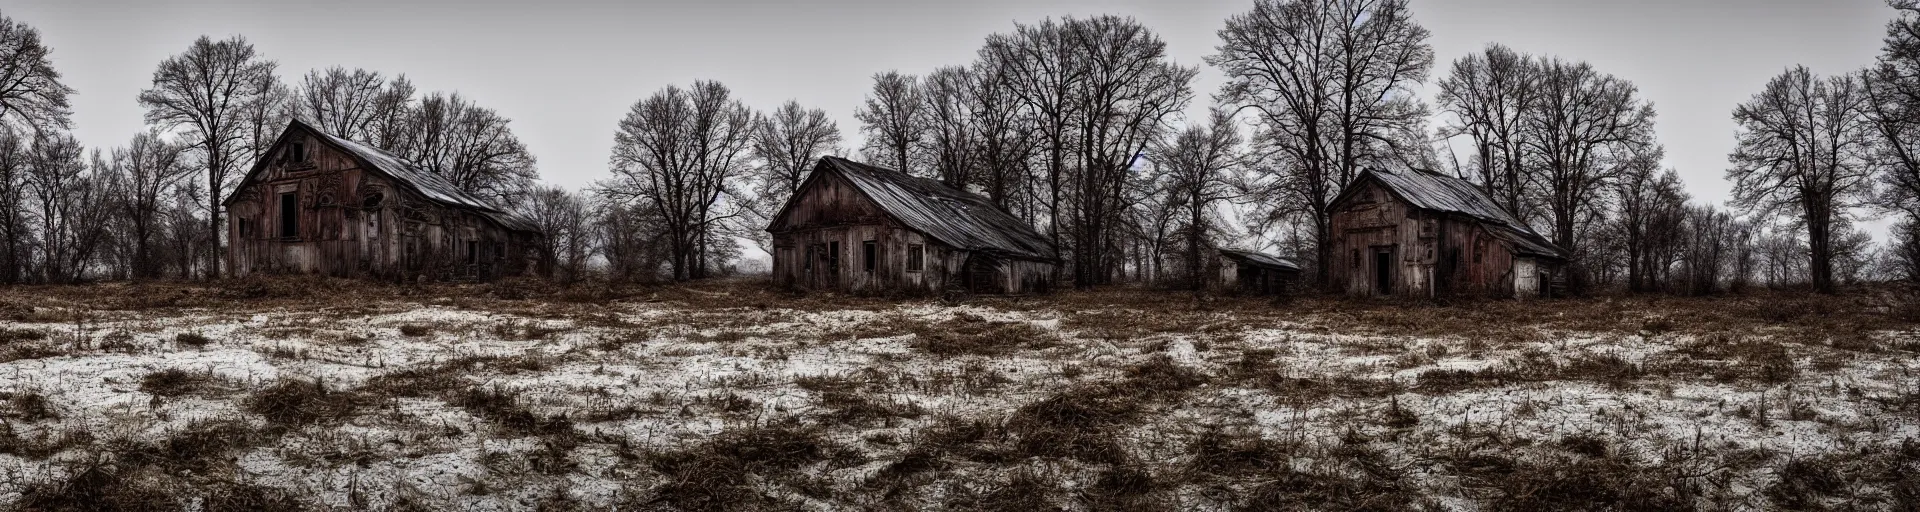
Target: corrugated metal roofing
431, 185
1449, 194
1262, 259
954, 217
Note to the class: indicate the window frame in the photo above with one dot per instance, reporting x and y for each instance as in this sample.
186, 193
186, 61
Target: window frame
870, 255
916, 257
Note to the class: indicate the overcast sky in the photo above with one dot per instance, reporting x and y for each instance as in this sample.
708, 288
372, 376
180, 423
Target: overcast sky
565, 71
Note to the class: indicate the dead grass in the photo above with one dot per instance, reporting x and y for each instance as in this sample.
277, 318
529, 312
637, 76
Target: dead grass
175, 382
296, 402
970, 334
1400, 406
720, 475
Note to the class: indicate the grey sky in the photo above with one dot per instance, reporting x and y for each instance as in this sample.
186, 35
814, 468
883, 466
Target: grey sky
566, 71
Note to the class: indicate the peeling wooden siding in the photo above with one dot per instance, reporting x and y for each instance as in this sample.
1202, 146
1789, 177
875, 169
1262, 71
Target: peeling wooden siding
353, 222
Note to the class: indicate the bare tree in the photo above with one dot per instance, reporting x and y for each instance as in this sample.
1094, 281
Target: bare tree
787, 143
1489, 95
1004, 144
563, 217
680, 153
356, 104
65, 194
471, 146
1652, 205
1584, 125
16, 262
148, 168
1804, 148
1197, 165
1331, 80
1130, 88
892, 118
31, 93
949, 125
209, 91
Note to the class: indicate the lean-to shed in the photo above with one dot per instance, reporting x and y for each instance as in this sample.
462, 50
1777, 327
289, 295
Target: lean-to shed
317, 203
860, 228
1418, 233
1254, 273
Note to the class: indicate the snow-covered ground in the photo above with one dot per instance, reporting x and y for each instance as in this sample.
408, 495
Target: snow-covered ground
639, 404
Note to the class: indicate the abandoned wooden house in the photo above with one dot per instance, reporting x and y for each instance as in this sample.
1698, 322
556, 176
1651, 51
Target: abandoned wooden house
858, 228
1253, 273
317, 203
1417, 233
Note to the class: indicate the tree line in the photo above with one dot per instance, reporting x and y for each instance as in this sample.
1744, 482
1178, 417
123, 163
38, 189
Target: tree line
1073, 124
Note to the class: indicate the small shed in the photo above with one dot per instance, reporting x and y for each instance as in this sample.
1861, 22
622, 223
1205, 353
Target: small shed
318, 203
1254, 273
859, 228
1420, 233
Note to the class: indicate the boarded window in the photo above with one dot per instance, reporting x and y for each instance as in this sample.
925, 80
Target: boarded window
870, 252
916, 257
289, 215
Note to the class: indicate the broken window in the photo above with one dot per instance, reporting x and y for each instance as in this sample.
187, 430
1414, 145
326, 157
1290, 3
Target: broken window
289, 215
916, 257
869, 251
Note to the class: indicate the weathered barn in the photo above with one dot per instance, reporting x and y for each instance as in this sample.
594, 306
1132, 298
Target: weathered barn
859, 228
316, 203
1254, 273
1416, 233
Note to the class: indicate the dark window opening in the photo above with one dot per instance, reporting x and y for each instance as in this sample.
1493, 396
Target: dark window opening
473, 252
871, 251
246, 229
1383, 271
916, 257
289, 215
373, 201
1356, 258
807, 264
833, 257
297, 153
500, 250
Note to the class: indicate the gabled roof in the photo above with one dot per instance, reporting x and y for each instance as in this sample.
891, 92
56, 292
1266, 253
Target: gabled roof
1262, 260
954, 217
403, 172
1434, 191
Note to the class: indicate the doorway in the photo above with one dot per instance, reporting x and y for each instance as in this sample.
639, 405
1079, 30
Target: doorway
1383, 271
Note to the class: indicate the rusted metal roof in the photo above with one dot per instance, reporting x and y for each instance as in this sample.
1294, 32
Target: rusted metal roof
409, 174
1262, 260
1433, 191
954, 217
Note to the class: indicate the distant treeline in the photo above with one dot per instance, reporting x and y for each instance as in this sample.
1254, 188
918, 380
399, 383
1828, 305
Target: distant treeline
1074, 124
